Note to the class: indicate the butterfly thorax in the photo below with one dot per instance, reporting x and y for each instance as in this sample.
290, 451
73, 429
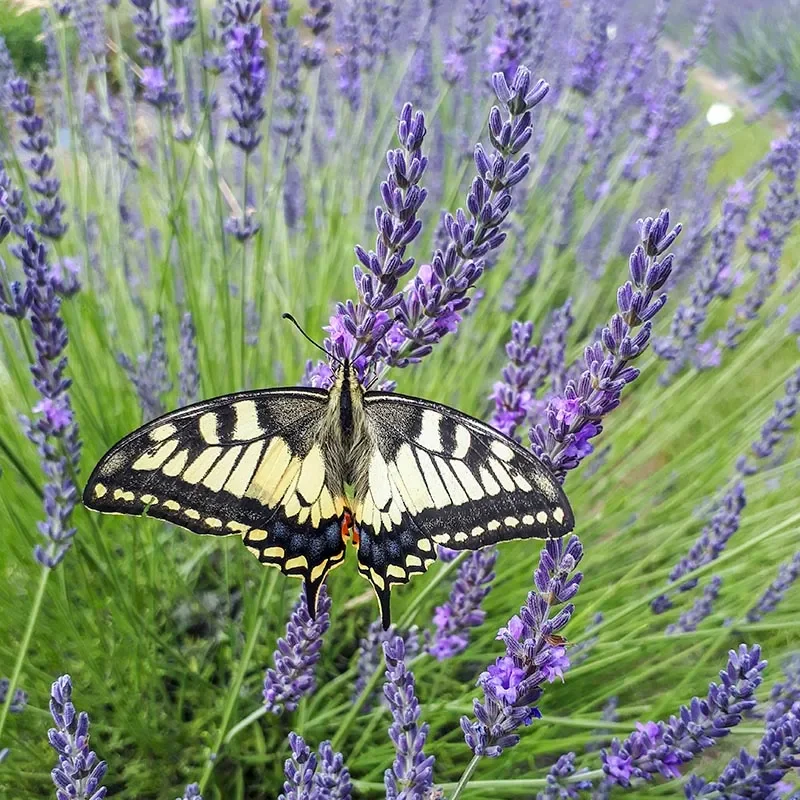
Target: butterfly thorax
345, 433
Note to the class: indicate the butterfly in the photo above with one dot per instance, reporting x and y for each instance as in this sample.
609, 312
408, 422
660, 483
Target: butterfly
296, 472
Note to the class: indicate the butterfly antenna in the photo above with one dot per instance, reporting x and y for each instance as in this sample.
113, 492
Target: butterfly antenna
291, 319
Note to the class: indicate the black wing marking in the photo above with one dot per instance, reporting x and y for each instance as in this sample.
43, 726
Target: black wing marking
438, 476
247, 464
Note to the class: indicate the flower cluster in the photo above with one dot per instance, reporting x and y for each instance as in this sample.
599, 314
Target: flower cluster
157, 78
297, 656
781, 210
535, 653
709, 544
662, 747
776, 427
315, 777
463, 609
590, 65
150, 374
699, 611
181, 20
291, 101
192, 792
785, 694
757, 776
37, 142
248, 70
468, 31
357, 330
431, 306
573, 418
54, 431
411, 774
370, 650
189, 373
557, 788
317, 21
78, 774
711, 280
787, 575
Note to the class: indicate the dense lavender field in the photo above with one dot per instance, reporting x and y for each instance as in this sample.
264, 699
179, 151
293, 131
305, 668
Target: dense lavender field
499, 174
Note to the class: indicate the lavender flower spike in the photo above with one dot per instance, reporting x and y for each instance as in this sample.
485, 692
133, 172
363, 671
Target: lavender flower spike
662, 747
55, 432
297, 656
699, 611
573, 418
430, 307
192, 792
758, 776
189, 374
299, 771
411, 774
775, 428
332, 780
78, 774
513, 684
463, 609
709, 544
370, 648
37, 142
356, 330
787, 575
556, 790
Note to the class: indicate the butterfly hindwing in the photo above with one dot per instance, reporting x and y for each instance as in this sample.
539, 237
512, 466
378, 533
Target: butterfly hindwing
436, 476
247, 464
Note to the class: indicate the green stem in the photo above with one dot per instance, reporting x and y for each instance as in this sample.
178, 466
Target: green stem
265, 590
23, 649
462, 784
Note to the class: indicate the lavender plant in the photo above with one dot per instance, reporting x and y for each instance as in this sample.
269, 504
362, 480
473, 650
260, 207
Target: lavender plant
123, 164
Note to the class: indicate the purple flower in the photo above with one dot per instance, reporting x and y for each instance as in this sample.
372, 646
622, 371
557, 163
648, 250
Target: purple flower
781, 209
78, 773
356, 330
150, 374
661, 748
513, 684
292, 103
429, 310
590, 64
297, 656
348, 55
469, 27
315, 777
787, 575
463, 609
784, 695
411, 774
189, 373
699, 611
192, 792
709, 544
90, 26
776, 427
513, 36
558, 790
181, 20
299, 770
158, 80
711, 280
758, 776
573, 418
246, 66
37, 142
332, 780
317, 21
370, 651
55, 432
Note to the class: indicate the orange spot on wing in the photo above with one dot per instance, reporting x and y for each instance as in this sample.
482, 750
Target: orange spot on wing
349, 528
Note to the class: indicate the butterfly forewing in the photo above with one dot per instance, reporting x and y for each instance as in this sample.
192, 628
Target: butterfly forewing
439, 477
249, 464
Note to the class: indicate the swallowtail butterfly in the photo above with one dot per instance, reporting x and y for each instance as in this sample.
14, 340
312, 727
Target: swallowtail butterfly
272, 466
